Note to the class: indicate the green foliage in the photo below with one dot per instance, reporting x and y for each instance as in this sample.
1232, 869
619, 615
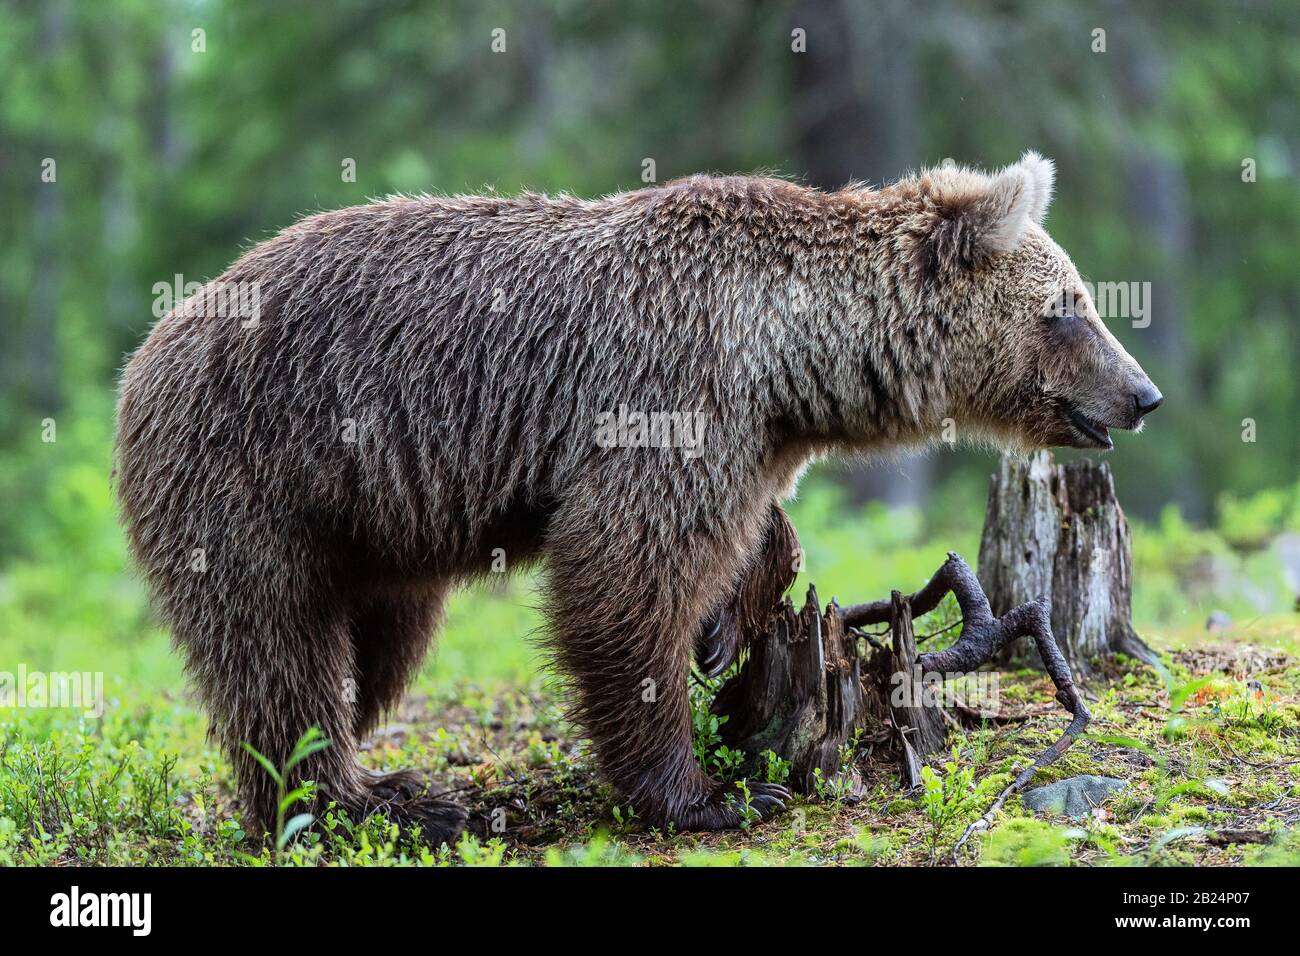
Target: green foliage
717, 758
66, 797
1284, 850
947, 800
1250, 710
1182, 573
873, 847
309, 743
600, 851
473, 853
749, 814
1253, 521
838, 537
1025, 841
772, 769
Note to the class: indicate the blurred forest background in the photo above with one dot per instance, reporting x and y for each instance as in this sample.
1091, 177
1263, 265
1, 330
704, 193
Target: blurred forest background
1174, 132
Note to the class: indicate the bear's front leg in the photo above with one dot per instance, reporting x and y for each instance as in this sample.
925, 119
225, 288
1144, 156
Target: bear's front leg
626, 596
763, 583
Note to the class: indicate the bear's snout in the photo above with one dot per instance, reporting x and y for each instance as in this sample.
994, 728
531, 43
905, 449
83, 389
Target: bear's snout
1122, 405
1146, 399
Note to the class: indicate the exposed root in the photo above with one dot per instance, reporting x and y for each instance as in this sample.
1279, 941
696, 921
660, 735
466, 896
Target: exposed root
982, 637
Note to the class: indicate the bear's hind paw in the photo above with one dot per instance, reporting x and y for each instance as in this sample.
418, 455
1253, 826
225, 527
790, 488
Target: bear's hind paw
395, 787
406, 798
437, 819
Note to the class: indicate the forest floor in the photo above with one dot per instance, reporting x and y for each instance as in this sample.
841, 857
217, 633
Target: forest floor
1210, 752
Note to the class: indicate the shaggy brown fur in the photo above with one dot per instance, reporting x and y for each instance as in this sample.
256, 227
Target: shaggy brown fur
422, 388
747, 613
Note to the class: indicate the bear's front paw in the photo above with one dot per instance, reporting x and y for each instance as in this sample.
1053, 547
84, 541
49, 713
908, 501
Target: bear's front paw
405, 797
718, 643
732, 805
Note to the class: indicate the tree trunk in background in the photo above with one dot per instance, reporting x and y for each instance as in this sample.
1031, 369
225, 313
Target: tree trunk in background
1160, 213
857, 106
41, 347
1058, 530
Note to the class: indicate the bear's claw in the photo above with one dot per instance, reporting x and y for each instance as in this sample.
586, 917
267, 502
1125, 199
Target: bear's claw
406, 798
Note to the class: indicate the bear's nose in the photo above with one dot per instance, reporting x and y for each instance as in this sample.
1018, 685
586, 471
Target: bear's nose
1147, 399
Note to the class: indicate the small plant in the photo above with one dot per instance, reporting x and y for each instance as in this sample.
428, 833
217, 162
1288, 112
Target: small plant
748, 813
946, 800
843, 782
309, 743
826, 788
1249, 711
725, 762
980, 743
600, 851
848, 751
473, 853
717, 758
625, 819
868, 846
821, 786
772, 768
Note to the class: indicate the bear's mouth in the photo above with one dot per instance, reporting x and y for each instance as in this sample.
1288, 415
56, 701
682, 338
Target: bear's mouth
1097, 433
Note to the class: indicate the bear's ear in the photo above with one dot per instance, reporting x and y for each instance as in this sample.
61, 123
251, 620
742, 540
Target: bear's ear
976, 215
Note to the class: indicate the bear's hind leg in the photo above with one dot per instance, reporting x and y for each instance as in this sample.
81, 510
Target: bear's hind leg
271, 656
391, 635
771, 572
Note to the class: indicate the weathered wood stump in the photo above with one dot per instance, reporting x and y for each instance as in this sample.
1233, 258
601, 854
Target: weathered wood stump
799, 694
900, 696
1057, 530
807, 691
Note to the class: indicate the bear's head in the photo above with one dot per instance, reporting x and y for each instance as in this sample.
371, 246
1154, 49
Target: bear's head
1028, 361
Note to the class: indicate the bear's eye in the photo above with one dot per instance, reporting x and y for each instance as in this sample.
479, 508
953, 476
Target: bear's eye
1063, 307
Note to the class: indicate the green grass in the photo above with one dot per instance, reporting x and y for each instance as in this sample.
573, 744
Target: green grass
143, 785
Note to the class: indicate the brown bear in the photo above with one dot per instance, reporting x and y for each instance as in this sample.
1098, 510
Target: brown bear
620, 388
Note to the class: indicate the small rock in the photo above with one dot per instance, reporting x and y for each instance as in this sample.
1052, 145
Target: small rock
1218, 621
1074, 797
1287, 547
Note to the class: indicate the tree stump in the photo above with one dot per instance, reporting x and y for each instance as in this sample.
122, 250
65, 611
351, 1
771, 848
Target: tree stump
798, 694
901, 695
1058, 530
807, 691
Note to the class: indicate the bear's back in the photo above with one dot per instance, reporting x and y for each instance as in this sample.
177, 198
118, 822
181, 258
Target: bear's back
455, 349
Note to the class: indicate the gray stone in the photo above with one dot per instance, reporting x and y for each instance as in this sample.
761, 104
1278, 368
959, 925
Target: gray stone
1218, 621
1074, 797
